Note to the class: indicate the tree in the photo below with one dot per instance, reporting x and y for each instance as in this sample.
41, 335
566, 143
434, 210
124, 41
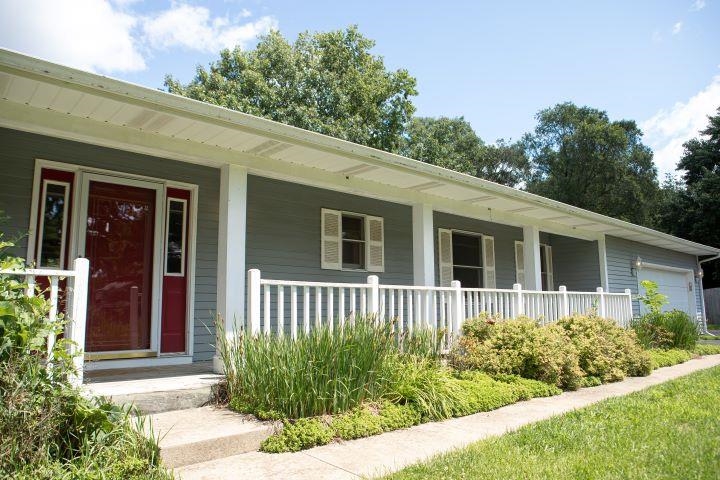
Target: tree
325, 82
691, 208
580, 157
452, 143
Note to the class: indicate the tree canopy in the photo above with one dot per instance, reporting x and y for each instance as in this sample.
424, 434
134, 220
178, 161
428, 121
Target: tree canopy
327, 82
690, 208
580, 157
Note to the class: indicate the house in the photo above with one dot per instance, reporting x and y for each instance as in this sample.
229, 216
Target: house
173, 200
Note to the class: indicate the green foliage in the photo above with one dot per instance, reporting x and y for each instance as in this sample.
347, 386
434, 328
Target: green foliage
606, 350
667, 358
580, 157
673, 329
527, 388
298, 435
48, 429
323, 372
519, 347
652, 299
326, 82
691, 208
665, 432
706, 349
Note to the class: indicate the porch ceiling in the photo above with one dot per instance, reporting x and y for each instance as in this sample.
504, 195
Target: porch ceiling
46, 98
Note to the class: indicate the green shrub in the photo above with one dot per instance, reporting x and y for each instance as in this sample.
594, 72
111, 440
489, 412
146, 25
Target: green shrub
519, 347
653, 300
605, 350
673, 329
706, 349
323, 372
48, 429
667, 358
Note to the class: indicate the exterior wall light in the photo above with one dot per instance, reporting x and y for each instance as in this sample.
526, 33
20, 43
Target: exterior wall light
700, 273
635, 265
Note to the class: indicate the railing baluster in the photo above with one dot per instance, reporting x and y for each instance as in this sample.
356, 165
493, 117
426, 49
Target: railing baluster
363, 301
330, 312
281, 310
318, 307
30, 279
306, 310
53, 315
341, 307
266, 308
293, 312
353, 310
401, 310
410, 311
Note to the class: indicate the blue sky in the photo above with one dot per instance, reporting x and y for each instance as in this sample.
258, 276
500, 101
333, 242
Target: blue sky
495, 63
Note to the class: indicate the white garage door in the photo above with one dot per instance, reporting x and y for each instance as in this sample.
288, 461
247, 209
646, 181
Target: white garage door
674, 285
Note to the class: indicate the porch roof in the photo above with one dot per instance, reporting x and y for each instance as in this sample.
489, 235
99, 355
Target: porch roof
47, 98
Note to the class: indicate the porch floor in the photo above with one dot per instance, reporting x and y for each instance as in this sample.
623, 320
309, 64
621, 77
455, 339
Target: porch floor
150, 379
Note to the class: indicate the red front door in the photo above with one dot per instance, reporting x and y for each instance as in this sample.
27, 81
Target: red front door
119, 244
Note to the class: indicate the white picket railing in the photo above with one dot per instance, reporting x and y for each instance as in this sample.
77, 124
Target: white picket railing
76, 297
280, 306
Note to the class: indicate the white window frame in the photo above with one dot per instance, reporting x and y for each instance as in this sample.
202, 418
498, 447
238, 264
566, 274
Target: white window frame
167, 236
41, 222
366, 219
549, 273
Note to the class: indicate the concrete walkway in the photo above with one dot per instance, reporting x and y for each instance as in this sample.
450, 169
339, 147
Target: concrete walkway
392, 451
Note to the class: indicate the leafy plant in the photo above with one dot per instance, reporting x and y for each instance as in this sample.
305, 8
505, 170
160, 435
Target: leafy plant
666, 358
652, 299
673, 329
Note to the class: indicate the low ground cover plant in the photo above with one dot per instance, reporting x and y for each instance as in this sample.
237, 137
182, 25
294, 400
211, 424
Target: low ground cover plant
48, 430
667, 431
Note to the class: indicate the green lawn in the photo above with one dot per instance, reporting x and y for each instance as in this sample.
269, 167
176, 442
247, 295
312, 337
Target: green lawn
671, 431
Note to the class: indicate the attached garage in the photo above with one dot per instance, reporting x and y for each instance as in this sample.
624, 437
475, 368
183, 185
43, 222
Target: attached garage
676, 283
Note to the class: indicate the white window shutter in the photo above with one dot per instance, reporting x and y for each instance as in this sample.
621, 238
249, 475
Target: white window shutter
331, 239
445, 256
488, 261
519, 264
549, 267
375, 244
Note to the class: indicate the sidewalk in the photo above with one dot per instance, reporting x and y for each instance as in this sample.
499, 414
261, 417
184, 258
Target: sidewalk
373, 456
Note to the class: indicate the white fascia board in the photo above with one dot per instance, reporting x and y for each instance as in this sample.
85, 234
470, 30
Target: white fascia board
24, 65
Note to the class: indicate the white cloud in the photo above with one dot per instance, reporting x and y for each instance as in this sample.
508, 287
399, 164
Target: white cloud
697, 5
88, 34
677, 28
195, 28
110, 36
667, 130
656, 37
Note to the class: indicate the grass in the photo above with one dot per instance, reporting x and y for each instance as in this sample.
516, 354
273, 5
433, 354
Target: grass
665, 432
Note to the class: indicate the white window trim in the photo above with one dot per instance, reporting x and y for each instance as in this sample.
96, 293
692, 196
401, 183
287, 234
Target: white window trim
366, 240
167, 234
551, 271
482, 268
41, 223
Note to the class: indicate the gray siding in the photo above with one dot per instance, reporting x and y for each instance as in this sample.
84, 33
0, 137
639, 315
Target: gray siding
283, 232
17, 161
505, 237
620, 255
576, 263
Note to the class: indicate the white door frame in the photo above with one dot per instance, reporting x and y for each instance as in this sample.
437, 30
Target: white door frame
689, 278
157, 265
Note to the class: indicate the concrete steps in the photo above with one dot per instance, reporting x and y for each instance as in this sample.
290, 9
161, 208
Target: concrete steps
202, 434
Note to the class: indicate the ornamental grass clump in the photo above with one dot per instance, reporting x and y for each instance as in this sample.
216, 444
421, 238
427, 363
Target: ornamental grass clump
322, 372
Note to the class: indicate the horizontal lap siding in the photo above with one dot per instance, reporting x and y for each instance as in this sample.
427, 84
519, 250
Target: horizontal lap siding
283, 232
576, 263
17, 161
505, 237
622, 253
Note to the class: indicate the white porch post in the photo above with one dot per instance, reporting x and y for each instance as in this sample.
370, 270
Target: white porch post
602, 256
423, 245
531, 255
231, 250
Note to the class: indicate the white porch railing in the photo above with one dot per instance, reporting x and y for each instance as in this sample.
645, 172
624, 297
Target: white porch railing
280, 306
76, 297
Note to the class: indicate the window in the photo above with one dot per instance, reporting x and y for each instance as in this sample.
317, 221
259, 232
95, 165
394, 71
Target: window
546, 266
466, 257
175, 237
53, 224
467, 260
351, 241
